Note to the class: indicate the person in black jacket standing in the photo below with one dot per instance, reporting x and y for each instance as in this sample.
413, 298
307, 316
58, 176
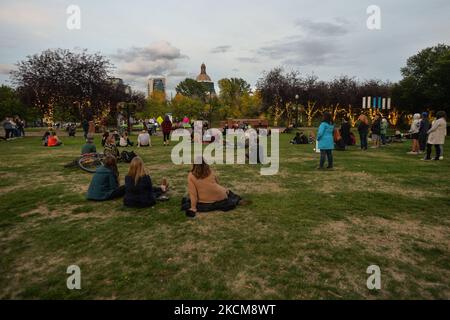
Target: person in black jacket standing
345, 131
423, 132
363, 129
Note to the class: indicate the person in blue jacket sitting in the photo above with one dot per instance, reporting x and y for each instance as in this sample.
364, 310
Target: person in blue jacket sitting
325, 140
105, 182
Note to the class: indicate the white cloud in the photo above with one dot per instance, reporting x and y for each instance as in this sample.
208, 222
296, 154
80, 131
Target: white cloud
157, 59
6, 68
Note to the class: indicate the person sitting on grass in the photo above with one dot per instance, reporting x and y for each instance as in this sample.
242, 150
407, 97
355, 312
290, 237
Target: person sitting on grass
104, 138
45, 138
116, 137
111, 147
326, 140
105, 182
125, 141
311, 138
144, 140
53, 140
139, 190
89, 147
299, 138
205, 193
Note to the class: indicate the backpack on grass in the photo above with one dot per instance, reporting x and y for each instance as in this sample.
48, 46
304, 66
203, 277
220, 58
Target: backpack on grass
127, 156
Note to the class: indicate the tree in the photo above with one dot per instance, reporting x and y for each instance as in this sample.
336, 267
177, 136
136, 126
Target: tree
64, 79
154, 106
193, 89
233, 91
426, 81
11, 105
184, 106
277, 92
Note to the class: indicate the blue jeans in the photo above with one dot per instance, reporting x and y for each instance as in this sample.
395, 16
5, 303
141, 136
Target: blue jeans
363, 138
326, 154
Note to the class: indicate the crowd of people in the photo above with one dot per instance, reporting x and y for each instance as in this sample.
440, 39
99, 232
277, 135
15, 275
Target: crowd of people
14, 127
138, 191
204, 191
424, 136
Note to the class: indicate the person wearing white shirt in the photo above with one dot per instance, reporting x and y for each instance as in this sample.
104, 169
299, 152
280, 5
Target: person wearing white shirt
143, 139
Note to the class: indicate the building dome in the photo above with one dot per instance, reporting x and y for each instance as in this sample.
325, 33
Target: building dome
203, 76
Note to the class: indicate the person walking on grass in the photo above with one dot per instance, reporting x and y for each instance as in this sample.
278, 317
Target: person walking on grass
436, 136
414, 131
363, 129
166, 127
326, 141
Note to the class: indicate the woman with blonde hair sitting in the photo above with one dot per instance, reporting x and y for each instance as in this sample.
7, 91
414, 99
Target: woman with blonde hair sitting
139, 190
205, 193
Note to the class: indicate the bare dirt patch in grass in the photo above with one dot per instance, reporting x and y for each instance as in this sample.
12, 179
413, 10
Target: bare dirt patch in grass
392, 240
346, 181
245, 284
258, 187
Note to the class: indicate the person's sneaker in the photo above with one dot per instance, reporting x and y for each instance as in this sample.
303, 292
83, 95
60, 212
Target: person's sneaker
412, 152
163, 198
190, 214
441, 158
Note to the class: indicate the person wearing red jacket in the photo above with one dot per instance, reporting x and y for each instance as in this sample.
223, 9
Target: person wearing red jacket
166, 126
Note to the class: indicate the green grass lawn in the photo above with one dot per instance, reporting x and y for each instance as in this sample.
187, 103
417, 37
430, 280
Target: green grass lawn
305, 235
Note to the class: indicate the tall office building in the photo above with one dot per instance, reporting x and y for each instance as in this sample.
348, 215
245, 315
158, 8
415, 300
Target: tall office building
156, 84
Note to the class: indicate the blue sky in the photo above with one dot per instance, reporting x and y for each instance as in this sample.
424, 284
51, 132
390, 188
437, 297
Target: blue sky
234, 38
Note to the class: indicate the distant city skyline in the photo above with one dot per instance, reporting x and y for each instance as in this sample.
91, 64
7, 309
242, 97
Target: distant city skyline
171, 39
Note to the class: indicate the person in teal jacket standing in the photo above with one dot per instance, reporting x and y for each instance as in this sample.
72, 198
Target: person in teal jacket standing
325, 140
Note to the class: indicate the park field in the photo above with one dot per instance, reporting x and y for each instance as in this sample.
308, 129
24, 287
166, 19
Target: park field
305, 234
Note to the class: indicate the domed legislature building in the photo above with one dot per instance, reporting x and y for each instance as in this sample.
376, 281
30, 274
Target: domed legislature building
205, 79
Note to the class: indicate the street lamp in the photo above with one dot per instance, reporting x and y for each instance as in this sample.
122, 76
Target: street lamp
127, 107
